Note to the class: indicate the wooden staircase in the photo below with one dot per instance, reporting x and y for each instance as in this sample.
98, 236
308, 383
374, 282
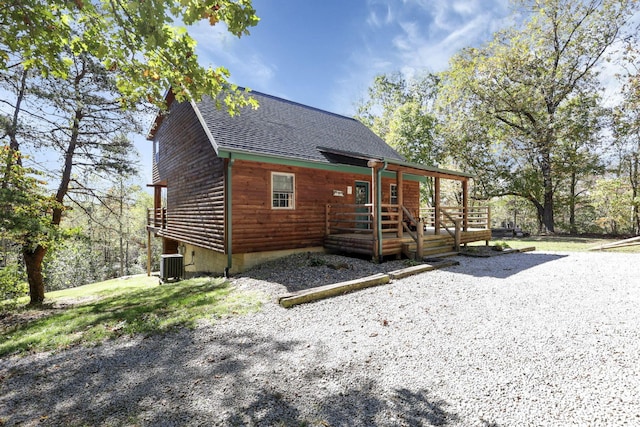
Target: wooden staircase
432, 248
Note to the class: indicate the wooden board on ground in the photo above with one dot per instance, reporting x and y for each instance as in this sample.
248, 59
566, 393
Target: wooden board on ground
633, 241
332, 290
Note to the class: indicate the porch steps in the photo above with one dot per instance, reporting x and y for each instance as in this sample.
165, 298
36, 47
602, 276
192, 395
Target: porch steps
431, 248
439, 256
409, 250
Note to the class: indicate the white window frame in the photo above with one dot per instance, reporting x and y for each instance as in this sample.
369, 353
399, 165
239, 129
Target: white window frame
291, 199
391, 194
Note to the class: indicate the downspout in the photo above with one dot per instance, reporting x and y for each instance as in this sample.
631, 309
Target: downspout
228, 217
379, 207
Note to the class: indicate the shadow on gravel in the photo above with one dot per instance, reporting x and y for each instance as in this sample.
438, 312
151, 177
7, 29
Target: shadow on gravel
504, 266
304, 271
356, 406
187, 379
152, 381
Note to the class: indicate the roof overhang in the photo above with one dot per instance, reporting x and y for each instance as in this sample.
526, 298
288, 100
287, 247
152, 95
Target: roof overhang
398, 165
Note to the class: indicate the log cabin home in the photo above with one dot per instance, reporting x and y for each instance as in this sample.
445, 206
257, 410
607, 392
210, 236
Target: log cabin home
233, 191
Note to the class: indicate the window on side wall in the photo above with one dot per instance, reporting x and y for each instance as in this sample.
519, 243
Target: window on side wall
393, 191
282, 190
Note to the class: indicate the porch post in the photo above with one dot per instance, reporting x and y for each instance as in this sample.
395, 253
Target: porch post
436, 205
399, 184
465, 204
148, 252
420, 242
374, 209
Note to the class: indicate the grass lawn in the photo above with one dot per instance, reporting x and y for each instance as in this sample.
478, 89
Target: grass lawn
88, 315
559, 243
563, 243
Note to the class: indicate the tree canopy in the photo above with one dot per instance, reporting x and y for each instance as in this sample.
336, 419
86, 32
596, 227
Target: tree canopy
144, 43
507, 102
75, 72
400, 111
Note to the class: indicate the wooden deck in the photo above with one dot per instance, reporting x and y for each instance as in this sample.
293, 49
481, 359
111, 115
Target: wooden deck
392, 245
350, 229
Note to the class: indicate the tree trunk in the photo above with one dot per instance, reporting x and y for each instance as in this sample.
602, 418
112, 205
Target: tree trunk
635, 165
572, 205
539, 212
33, 262
545, 167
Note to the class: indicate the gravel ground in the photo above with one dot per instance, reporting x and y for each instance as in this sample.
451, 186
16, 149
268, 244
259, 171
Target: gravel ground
521, 339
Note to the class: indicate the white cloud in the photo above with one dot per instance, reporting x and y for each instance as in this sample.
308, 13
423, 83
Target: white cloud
380, 14
220, 47
414, 36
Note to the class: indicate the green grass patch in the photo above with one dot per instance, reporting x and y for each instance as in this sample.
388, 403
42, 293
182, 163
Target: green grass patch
567, 244
120, 307
562, 243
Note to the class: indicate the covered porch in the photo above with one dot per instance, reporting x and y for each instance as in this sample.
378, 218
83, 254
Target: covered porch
380, 229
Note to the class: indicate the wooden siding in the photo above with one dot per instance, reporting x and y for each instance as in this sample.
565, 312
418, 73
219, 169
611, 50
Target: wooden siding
257, 227
195, 180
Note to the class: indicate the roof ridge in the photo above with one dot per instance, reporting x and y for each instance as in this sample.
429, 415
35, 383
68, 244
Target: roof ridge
299, 104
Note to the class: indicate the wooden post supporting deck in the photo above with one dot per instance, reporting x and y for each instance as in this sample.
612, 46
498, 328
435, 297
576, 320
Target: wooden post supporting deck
374, 213
486, 242
148, 252
436, 205
465, 205
420, 242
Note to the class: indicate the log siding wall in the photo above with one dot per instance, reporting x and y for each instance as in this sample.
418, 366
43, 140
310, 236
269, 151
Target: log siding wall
257, 227
195, 180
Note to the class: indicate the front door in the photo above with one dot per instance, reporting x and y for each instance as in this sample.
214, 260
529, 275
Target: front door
363, 197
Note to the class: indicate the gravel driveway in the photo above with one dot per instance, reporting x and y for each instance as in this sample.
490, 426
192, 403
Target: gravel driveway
521, 339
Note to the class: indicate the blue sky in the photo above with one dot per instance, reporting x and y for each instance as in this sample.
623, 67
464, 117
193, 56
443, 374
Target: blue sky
325, 53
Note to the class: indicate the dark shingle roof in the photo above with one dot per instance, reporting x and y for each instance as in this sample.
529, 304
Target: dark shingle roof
288, 129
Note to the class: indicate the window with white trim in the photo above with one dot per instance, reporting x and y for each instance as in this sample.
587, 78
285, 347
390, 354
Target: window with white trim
393, 194
283, 190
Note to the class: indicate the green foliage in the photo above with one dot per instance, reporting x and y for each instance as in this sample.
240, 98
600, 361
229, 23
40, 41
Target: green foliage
105, 237
71, 262
612, 199
626, 126
23, 206
500, 246
514, 211
13, 283
137, 41
400, 112
410, 262
513, 107
125, 308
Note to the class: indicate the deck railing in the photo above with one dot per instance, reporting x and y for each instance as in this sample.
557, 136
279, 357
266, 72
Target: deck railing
157, 218
352, 218
345, 218
478, 217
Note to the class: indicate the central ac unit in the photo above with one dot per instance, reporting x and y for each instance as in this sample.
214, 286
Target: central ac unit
171, 267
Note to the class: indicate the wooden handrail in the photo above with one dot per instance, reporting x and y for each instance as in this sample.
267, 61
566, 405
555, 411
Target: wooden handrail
157, 217
418, 237
347, 219
473, 217
457, 231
